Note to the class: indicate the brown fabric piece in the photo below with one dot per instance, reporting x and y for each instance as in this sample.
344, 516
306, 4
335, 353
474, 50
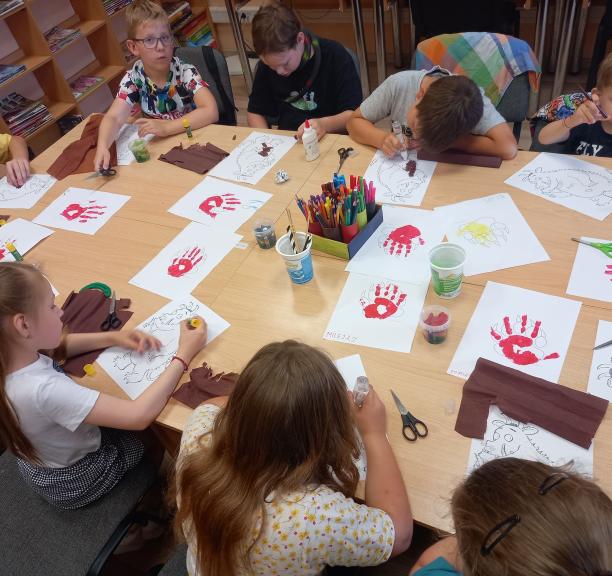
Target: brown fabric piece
196, 158
204, 385
84, 312
4, 216
569, 413
78, 157
450, 157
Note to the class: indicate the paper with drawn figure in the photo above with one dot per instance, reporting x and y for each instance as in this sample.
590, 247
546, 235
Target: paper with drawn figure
81, 210
508, 438
393, 183
493, 233
377, 312
27, 195
23, 234
591, 275
126, 135
399, 248
566, 180
600, 375
135, 372
253, 157
220, 204
185, 261
522, 329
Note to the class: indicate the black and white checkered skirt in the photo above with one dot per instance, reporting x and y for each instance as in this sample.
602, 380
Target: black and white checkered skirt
89, 478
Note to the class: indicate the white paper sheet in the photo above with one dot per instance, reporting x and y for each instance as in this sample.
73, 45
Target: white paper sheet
220, 204
492, 232
185, 261
135, 372
393, 184
600, 376
253, 157
26, 196
23, 234
591, 275
568, 181
506, 437
399, 248
526, 330
81, 210
376, 312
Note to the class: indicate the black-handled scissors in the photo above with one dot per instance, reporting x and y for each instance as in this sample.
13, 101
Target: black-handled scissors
344, 153
112, 321
418, 428
106, 172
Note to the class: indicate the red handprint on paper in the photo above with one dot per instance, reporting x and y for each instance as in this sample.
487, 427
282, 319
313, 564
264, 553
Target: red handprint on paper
185, 263
522, 348
83, 213
402, 241
224, 202
608, 270
386, 302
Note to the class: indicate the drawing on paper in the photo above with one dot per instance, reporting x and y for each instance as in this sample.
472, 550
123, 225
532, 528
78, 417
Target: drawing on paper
485, 231
256, 156
571, 182
216, 204
187, 261
82, 213
265, 150
382, 301
522, 343
400, 241
608, 270
398, 185
604, 372
3, 249
33, 187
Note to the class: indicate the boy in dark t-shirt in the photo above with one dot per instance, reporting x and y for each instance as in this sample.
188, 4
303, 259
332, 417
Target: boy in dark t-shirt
300, 76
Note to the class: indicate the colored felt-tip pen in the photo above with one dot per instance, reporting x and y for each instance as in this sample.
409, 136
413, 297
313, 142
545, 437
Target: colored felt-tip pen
589, 97
11, 248
187, 127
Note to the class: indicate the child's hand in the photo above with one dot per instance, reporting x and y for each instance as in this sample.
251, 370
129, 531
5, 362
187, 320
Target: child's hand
192, 340
136, 340
151, 126
587, 113
371, 418
17, 171
101, 159
318, 126
391, 145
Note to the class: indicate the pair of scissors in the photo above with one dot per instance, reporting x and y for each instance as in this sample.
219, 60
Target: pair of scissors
106, 172
605, 248
344, 153
112, 321
418, 428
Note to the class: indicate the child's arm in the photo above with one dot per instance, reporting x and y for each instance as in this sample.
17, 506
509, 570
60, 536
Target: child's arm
206, 113
133, 340
498, 141
256, 120
559, 131
446, 548
18, 167
335, 124
114, 412
384, 487
364, 132
116, 117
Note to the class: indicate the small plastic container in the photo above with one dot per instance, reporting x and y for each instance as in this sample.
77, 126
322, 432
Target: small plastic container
264, 233
434, 323
139, 149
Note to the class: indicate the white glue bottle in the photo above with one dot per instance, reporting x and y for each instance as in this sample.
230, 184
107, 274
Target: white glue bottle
311, 142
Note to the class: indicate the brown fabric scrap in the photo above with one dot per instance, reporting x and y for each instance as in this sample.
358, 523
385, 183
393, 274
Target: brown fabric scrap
452, 157
204, 385
196, 158
569, 413
4, 216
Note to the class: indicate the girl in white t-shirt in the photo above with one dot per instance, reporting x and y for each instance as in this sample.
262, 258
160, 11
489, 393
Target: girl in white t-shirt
50, 422
265, 482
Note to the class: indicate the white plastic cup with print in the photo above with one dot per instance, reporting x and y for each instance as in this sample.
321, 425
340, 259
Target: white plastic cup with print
447, 261
299, 266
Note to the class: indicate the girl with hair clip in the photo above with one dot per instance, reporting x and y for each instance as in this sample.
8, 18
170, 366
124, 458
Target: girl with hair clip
51, 423
517, 517
265, 478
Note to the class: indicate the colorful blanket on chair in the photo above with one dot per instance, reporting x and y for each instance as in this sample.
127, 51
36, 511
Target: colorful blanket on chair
491, 60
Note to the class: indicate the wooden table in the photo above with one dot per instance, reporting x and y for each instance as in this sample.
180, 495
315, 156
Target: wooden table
251, 290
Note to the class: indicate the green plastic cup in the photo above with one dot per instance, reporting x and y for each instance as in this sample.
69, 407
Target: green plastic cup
139, 149
447, 260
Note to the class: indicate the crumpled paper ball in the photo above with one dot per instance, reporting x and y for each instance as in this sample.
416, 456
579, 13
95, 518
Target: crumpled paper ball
281, 176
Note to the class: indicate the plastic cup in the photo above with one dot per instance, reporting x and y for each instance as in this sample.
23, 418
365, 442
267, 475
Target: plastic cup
299, 266
434, 323
264, 233
447, 260
139, 148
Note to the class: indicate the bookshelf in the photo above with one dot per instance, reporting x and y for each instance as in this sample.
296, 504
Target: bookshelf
96, 51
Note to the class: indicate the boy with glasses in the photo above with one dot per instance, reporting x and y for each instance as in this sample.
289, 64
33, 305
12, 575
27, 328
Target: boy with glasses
164, 88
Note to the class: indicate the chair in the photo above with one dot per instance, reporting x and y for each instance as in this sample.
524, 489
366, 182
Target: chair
604, 31
36, 538
538, 124
212, 66
176, 566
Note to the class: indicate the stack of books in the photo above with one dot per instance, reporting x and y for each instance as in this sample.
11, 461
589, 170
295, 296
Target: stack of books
179, 13
196, 32
7, 5
112, 6
8, 70
58, 37
22, 115
84, 84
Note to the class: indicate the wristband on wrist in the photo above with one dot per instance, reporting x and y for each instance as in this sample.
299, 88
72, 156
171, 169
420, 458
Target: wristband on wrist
185, 365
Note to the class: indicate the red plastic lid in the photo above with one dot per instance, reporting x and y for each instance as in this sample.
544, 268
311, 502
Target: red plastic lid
307, 124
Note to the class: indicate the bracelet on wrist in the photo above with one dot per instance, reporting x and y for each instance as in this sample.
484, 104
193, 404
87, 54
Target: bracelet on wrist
185, 365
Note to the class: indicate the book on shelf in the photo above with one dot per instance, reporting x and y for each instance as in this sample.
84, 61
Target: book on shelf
178, 13
9, 70
59, 37
8, 5
197, 32
84, 84
22, 115
112, 6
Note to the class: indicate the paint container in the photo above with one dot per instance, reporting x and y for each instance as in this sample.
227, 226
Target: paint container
264, 233
434, 323
447, 262
139, 149
299, 266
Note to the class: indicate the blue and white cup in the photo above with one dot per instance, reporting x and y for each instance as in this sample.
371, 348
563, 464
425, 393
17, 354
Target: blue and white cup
299, 266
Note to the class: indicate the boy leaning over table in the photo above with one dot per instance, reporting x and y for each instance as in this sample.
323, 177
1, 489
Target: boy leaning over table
165, 88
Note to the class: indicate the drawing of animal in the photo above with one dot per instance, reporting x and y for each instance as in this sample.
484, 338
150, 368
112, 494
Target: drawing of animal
397, 183
249, 161
138, 367
571, 182
32, 187
606, 373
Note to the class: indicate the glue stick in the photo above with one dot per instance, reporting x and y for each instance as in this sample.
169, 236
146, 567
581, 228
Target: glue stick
360, 391
11, 248
311, 142
187, 127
